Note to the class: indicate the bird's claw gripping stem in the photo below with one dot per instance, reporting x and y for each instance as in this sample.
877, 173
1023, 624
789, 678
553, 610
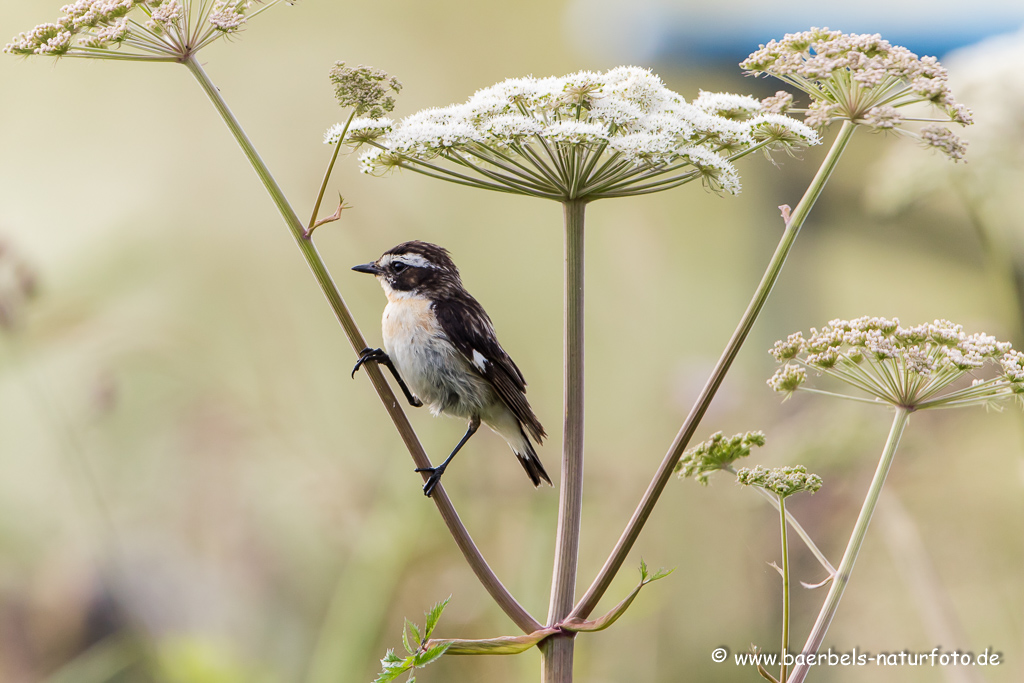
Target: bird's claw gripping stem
433, 480
367, 355
379, 356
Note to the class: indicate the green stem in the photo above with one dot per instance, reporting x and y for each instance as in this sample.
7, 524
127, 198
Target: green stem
842, 578
529, 153
521, 186
558, 652
800, 531
449, 177
327, 175
665, 471
785, 588
456, 528
509, 165
84, 53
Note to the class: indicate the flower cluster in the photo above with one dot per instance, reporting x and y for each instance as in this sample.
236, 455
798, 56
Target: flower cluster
717, 453
585, 135
782, 481
135, 29
988, 76
787, 378
864, 79
917, 367
365, 90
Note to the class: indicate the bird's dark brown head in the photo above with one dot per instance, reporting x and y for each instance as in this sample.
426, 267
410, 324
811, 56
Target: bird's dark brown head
416, 268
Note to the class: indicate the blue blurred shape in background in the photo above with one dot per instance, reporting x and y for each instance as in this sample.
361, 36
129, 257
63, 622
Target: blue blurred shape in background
674, 31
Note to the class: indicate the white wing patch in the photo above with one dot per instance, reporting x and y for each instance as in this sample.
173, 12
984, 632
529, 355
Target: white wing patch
479, 361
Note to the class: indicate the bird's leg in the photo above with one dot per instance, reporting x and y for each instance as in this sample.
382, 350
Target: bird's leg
436, 472
378, 356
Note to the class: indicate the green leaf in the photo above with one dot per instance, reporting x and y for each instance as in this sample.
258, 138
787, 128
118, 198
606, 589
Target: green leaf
430, 655
389, 674
392, 666
661, 574
412, 628
434, 615
421, 652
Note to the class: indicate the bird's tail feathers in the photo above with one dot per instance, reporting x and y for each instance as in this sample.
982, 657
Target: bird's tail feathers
533, 426
531, 463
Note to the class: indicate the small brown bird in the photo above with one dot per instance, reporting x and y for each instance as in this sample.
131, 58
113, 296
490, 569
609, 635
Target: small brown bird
439, 344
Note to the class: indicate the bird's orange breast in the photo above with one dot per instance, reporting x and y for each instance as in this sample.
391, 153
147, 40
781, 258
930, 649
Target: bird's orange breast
408, 320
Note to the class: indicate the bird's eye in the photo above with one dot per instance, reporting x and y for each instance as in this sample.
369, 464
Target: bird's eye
398, 266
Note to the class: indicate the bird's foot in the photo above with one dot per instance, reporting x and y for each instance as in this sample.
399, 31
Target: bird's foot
379, 356
367, 355
433, 480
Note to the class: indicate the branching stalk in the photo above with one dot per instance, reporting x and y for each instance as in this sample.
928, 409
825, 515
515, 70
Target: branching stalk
842, 578
558, 652
484, 573
327, 176
665, 471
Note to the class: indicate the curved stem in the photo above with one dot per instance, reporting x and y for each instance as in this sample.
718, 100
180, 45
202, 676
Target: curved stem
558, 654
842, 578
675, 451
456, 528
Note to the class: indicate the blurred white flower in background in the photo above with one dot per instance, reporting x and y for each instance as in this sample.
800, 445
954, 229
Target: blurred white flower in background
987, 189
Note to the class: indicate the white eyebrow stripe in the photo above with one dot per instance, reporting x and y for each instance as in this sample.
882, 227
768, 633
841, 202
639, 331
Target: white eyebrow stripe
415, 260
479, 361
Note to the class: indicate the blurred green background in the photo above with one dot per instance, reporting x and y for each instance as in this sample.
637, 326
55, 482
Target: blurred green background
188, 475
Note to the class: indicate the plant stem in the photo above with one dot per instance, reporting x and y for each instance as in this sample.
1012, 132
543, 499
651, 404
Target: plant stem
327, 175
456, 528
785, 588
800, 531
675, 452
842, 578
558, 653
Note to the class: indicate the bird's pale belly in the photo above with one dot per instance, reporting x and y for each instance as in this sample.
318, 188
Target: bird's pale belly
434, 370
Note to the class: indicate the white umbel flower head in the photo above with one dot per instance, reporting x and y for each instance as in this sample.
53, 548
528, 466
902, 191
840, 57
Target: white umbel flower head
919, 367
586, 135
738, 107
864, 79
782, 481
136, 30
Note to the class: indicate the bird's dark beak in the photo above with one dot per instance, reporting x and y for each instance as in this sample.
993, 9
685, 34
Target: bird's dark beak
371, 268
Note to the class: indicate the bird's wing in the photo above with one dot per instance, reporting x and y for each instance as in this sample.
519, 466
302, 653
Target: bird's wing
467, 326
